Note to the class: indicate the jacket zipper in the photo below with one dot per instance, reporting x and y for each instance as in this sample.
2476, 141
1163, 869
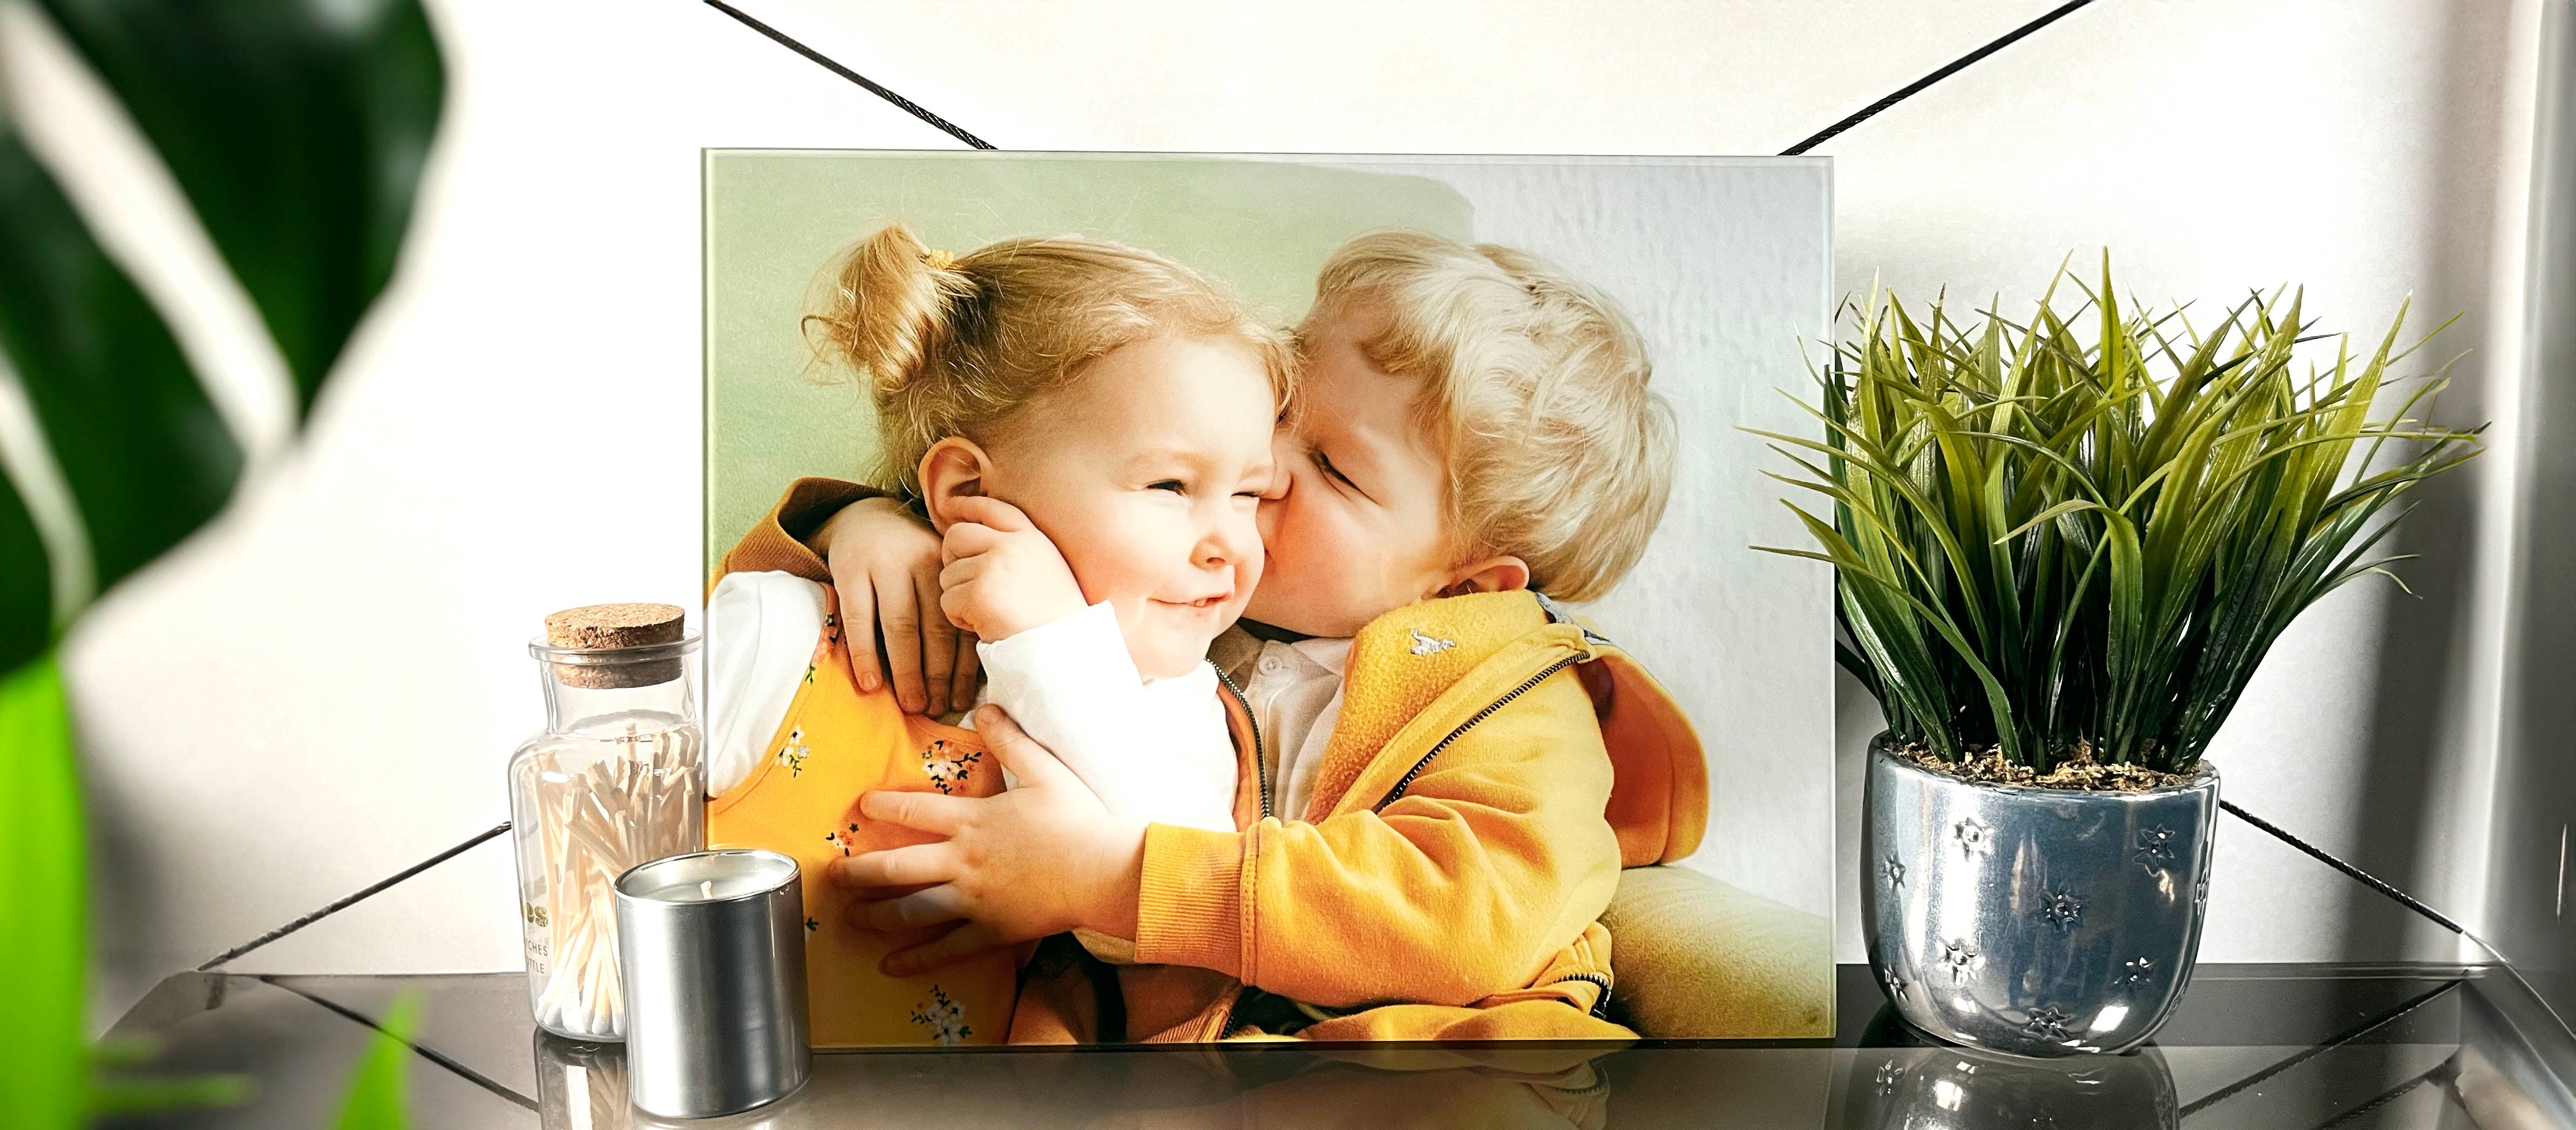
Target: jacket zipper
1601, 1006
1470, 723
1226, 1027
1260, 760
1261, 772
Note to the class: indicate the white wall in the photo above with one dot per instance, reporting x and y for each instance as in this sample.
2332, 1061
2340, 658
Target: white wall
2535, 792
323, 689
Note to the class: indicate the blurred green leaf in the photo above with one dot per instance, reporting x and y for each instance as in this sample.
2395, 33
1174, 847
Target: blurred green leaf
298, 129
26, 584
113, 1093
136, 1096
378, 1100
146, 455
41, 923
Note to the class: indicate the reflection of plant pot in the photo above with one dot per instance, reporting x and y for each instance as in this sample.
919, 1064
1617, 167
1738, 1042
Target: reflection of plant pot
1963, 1089
2041, 922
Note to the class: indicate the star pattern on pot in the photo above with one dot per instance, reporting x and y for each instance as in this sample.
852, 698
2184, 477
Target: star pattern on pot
1895, 985
2155, 847
2200, 891
2047, 1023
1975, 839
2063, 909
1961, 958
2141, 970
1895, 871
1890, 1074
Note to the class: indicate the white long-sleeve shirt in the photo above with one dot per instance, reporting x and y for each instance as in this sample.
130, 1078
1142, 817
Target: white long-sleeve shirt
761, 631
1155, 750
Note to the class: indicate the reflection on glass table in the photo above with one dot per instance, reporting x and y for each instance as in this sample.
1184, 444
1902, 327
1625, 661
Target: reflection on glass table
2252, 1046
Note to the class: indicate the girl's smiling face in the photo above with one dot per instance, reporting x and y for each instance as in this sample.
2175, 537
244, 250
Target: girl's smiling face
1358, 525
1145, 472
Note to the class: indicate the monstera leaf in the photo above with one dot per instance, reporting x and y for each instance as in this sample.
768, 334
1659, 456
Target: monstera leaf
146, 456
297, 129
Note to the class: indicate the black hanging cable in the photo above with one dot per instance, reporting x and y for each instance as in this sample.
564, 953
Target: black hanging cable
352, 900
2365, 878
2440, 1074
428, 1053
1867, 112
905, 104
2321, 1047
2403, 899
1917, 86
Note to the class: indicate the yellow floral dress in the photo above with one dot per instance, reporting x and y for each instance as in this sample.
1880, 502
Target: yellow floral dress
835, 743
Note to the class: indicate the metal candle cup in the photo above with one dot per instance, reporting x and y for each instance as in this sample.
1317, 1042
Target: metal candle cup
712, 951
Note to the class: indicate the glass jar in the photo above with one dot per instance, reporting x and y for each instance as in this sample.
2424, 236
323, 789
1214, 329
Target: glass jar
617, 779
581, 1086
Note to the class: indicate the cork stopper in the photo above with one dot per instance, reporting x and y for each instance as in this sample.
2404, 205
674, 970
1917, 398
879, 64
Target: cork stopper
609, 626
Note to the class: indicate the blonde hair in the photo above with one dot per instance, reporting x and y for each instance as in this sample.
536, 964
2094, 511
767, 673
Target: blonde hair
1535, 386
959, 346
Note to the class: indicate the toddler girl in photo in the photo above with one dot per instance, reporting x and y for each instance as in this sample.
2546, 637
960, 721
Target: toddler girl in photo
1089, 427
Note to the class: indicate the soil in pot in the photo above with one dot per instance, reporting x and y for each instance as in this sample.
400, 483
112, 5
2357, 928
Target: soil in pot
2079, 773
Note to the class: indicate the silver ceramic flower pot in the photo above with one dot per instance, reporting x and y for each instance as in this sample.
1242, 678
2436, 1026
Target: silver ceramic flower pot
2038, 922
1945, 1088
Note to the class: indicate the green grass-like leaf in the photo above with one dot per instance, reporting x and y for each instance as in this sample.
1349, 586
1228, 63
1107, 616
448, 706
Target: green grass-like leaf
114, 1091
378, 1098
42, 1072
2042, 541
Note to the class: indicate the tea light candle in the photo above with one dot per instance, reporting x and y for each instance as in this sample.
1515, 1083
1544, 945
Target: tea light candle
711, 952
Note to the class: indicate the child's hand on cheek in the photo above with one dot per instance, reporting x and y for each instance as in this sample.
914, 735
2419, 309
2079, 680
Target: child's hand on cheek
1003, 576
1041, 859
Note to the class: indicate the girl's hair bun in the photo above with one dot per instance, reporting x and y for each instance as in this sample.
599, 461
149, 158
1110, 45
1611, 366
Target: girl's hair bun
963, 346
893, 303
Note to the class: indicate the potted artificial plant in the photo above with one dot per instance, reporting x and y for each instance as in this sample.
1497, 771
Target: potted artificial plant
2058, 562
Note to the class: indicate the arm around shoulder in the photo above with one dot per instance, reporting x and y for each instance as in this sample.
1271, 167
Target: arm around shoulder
1495, 857
778, 542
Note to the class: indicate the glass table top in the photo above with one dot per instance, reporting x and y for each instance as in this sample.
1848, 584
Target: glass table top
2268, 1046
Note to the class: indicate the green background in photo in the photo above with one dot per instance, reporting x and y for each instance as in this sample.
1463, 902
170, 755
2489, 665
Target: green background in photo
775, 220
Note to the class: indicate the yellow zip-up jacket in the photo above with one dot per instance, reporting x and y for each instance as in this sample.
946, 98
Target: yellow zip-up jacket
1495, 764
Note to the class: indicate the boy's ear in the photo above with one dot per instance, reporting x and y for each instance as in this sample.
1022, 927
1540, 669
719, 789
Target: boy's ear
1493, 574
953, 468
